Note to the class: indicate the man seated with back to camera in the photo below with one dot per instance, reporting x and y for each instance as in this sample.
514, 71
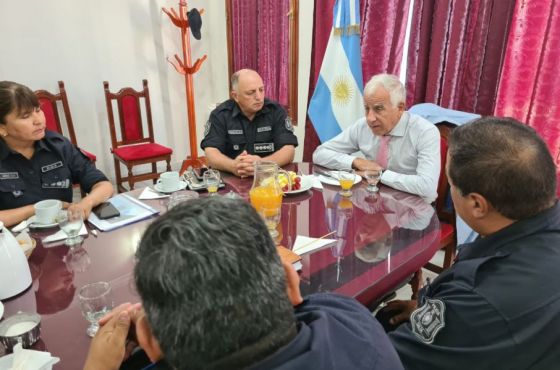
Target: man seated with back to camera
498, 306
216, 295
248, 128
403, 146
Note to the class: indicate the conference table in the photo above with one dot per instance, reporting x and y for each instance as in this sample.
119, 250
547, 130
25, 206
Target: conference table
380, 241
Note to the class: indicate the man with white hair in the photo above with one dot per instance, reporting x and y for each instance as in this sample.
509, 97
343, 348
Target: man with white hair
403, 146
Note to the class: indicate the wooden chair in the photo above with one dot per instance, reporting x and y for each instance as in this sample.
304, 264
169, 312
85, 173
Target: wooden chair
50, 105
445, 212
131, 146
446, 215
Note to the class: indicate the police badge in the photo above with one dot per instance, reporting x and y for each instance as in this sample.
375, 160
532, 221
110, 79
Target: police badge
428, 320
289, 125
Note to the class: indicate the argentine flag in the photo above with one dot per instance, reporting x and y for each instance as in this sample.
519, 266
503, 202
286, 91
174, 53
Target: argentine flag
337, 100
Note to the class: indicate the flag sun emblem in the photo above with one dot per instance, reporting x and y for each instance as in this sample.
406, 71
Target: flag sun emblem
342, 91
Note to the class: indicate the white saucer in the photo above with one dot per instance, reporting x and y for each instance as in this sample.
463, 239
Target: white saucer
182, 186
334, 181
32, 223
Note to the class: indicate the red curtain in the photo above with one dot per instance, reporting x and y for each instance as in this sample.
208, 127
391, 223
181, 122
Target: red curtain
261, 41
383, 30
530, 82
456, 53
383, 25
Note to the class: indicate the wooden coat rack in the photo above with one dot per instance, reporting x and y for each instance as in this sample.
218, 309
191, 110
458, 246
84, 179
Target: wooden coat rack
184, 67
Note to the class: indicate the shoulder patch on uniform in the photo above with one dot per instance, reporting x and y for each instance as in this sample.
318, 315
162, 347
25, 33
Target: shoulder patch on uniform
289, 125
206, 128
428, 320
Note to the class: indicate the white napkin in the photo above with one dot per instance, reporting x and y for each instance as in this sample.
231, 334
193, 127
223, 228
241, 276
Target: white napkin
317, 183
305, 244
27, 359
19, 227
61, 235
24, 241
148, 193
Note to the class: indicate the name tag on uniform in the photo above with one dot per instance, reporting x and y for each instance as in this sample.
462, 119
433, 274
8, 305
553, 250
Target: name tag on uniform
63, 184
52, 166
9, 175
264, 129
235, 132
264, 147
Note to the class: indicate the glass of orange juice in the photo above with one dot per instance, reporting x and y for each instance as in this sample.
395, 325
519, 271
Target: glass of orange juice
346, 180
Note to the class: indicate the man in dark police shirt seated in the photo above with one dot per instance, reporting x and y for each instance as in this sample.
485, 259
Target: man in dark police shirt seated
248, 127
216, 295
498, 306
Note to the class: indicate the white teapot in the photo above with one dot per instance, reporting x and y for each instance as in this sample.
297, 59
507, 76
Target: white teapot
15, 275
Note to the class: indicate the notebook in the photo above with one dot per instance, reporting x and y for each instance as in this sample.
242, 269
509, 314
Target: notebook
289, 256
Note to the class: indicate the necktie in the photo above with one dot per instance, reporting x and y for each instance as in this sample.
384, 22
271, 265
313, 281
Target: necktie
383, 152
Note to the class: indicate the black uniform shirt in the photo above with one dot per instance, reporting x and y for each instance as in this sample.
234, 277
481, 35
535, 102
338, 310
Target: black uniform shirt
497, 307
49, 174
229, 131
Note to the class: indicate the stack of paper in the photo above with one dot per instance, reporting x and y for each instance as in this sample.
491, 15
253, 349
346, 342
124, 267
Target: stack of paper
305, 244
148, 193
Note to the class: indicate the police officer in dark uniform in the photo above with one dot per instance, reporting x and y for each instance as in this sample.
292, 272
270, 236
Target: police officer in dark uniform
248, 127
36, 164
498, 306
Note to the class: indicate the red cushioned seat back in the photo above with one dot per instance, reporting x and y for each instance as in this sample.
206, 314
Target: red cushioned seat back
50, 104
129, 125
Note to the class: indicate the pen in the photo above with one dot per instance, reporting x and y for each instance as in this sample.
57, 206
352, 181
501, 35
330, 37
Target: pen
94, 233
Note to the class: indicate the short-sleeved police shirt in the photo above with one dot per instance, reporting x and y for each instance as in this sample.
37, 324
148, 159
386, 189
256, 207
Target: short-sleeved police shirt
497, 307
229, 131
49, 174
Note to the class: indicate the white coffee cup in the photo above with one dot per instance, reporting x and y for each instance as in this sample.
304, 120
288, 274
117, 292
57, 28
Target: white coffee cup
47, 210
169, 181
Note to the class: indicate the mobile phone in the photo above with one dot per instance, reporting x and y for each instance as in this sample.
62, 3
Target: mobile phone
199, 173
106, 210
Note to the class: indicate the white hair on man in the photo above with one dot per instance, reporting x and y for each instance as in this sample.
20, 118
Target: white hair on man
391, 83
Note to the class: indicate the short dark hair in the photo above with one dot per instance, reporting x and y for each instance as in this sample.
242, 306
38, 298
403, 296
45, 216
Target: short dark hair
16, 98
211, 284
506, 162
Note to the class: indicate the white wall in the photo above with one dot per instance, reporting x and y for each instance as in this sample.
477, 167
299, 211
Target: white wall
84, 43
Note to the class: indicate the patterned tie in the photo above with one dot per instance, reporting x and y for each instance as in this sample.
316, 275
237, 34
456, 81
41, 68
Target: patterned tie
383, 153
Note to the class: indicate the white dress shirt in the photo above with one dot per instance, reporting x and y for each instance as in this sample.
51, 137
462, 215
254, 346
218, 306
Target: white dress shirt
414, 154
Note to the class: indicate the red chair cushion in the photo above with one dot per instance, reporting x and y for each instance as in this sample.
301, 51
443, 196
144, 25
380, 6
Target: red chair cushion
141, 151
91, 156
446, 230
131, 117
50, 117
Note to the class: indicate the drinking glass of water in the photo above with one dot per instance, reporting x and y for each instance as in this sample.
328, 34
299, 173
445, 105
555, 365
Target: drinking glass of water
95, 301
212, 181
372, 178
271, 218
71, 221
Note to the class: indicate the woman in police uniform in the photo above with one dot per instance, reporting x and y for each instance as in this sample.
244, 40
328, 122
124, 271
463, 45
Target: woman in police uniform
37, 164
